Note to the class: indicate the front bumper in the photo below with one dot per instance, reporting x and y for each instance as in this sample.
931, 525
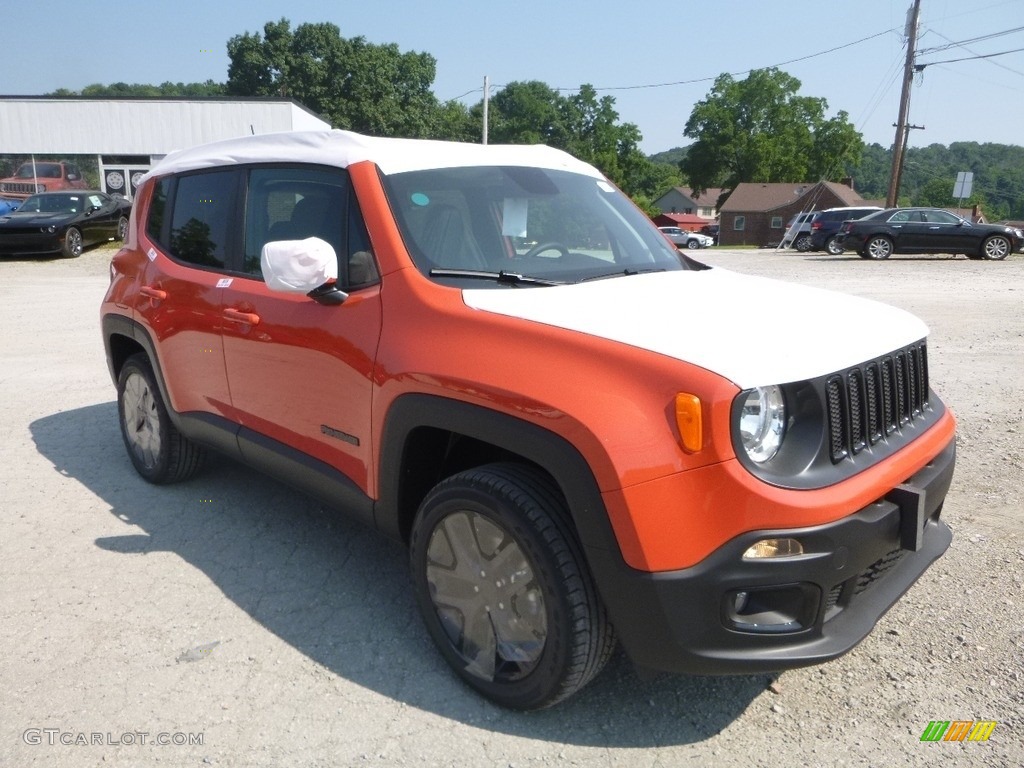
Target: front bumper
799, 611
30, 244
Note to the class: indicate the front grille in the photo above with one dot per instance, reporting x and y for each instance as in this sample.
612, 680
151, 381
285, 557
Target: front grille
18, 188
868, 403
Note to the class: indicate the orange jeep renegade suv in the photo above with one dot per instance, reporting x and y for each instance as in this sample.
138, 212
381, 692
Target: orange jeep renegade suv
583, 436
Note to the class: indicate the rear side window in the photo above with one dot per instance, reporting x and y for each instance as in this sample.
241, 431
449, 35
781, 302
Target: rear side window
201, 218
157, 209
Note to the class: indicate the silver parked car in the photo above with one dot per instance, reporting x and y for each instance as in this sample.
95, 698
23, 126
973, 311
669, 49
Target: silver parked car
683, 239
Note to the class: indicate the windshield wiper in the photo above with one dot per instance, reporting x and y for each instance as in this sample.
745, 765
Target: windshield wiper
620, 273
511, 278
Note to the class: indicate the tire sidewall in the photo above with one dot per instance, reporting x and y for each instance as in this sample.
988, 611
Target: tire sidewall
545, 680
73, 253
137, 367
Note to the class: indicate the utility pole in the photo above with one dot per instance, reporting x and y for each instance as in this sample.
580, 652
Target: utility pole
487, 97
899, 143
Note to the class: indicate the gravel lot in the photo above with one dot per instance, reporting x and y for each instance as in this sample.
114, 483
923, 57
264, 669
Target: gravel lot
229, 612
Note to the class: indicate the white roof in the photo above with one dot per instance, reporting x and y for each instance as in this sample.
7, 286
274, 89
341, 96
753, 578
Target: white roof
344, 148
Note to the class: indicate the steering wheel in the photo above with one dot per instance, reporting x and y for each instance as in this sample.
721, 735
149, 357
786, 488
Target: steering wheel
549, 246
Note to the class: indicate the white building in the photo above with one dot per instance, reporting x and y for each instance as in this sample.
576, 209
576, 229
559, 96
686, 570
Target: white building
127, 136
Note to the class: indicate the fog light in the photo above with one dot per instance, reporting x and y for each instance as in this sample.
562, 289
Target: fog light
768, 548
772, 610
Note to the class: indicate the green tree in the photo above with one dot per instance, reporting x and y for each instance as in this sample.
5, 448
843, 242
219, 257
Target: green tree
583, 125
354, 84
760, 129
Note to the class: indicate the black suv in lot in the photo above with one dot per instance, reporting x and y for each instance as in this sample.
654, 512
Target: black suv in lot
826, 225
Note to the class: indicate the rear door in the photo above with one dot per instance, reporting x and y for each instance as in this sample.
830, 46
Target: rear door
188, 239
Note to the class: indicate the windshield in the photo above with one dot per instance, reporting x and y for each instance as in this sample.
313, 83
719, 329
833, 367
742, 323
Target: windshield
534, 222
70, 203
42, 171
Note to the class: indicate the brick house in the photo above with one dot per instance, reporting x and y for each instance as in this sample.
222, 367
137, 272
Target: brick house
680, 200
757, 213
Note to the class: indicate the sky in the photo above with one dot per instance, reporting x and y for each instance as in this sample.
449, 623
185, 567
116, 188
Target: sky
655, 60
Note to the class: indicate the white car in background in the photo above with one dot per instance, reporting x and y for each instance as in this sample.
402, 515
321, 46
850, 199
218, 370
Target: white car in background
683, 239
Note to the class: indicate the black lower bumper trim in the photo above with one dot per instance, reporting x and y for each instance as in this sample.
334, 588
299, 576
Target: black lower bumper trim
852, 571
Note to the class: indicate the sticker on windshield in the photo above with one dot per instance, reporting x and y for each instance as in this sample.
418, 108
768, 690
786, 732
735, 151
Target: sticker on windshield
418, 198
513, 218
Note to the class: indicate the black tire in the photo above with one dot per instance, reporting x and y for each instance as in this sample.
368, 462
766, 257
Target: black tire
996, 248
693, 244
833, 246
122, 229
73, 244
802, 243
877, 248
526, 646
157, 450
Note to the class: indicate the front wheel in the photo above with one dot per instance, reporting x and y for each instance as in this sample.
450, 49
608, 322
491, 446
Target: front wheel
158, 451
693, 244
878, 248
122, 229
504, 589
803, 243
996, 248
72, 243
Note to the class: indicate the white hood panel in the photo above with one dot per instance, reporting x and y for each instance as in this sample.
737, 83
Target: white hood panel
750, 330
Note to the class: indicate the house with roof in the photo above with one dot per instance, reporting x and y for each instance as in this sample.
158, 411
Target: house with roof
756, 213
683, 201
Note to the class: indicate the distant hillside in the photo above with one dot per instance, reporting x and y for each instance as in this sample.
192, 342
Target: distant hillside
669, 156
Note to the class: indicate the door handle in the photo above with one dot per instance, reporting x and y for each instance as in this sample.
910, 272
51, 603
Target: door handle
153, 293
246, 318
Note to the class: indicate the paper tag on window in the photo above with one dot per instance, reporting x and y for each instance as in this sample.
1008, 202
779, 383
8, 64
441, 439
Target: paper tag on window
513, 218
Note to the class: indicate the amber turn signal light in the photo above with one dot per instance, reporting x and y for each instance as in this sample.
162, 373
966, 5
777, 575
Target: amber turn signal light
689, 421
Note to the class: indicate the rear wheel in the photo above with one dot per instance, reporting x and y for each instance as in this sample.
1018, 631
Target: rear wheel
72, 243
802, 243
503, 587
996, 248
878, 248
158, 451
833, 246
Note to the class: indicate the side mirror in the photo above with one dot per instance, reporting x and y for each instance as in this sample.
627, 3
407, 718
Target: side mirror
307, 266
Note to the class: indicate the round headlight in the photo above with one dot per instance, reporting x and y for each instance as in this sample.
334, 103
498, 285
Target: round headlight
762, 422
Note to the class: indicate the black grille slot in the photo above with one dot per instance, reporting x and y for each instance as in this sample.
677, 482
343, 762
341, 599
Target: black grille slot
836, 419
855, 393
874, 400
873, 396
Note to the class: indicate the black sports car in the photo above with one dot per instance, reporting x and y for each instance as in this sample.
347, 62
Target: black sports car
927, 230
63, 222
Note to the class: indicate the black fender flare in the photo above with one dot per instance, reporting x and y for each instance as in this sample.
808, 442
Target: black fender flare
550, 451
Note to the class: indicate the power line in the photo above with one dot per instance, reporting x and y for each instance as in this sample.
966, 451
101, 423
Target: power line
920, 67
952, 43
705, 79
